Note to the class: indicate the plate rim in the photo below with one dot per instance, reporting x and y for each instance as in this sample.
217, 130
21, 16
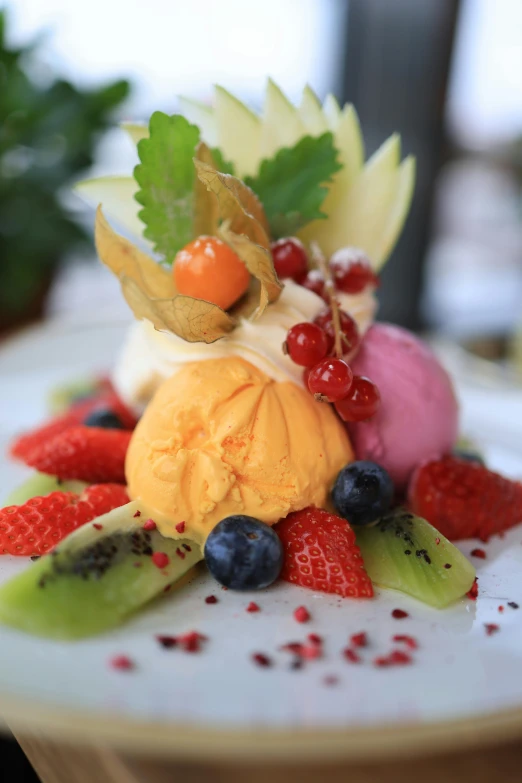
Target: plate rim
174, 740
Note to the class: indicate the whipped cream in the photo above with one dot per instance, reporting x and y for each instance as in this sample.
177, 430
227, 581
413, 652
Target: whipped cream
149, 357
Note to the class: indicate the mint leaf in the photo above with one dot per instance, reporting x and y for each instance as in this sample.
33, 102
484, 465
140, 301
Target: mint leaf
291, 184
222, 165
166, 177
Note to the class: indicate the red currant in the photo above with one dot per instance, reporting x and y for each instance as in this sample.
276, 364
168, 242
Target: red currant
331, 379
350, 331
362, 402
314, 281
290, 259
352, 271
306, 344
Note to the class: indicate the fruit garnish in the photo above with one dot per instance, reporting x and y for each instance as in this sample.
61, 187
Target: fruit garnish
314, 281
290, 259
105, 418
350, 337
352, 271
78, 413
362, 492
35, 527
306, 344
208, 269
330, 380
40, 485
401, 552
321, 553
87, 453
464, 499
363, 400
94, 579
65, 395
243, 553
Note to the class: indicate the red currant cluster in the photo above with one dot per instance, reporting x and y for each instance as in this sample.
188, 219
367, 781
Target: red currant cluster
326, 346
350, 268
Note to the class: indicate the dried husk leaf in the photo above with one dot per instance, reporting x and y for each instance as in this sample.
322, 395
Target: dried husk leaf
150, 292
237, 203
195, 320
124, 258
258, 261
206, 207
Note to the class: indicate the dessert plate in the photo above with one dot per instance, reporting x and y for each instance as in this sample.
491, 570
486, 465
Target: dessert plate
463, 685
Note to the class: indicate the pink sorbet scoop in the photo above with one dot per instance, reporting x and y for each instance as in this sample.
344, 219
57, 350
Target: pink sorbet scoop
418, 417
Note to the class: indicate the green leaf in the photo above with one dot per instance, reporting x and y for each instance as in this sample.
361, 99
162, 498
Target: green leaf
222, 165
166, 177
291, 184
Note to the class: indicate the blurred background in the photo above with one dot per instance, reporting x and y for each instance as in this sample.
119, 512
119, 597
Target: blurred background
446, 73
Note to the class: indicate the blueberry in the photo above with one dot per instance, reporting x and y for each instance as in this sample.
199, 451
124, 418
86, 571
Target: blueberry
243, 553
105, 418
469, 456
362, 492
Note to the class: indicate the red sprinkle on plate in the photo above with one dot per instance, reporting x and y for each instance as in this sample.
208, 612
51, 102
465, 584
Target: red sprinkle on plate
491, 628
211, 599
262, 660
351, 655
301, 614
477, 552
399, 614
359, 639
473, 591
253, 607
122, 663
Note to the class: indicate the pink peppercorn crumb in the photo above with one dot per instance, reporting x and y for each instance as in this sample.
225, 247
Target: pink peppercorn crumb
261, 660
477, 552
211, 599
359, 639
180, 527
253, 607
191, 641
437, 541
149, 525
399, 614
314, 638
122, 663
97, 526
137, 514
311, 652
180, 554
473, 591
160, 559
167, 641
301, 614
187, 548
500, 608
351, 655
409, 641
491, 628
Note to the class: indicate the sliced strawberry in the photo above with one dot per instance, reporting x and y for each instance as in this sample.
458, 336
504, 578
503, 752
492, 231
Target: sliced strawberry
321, 553
464, 499
42, 522
107, 399
90, 454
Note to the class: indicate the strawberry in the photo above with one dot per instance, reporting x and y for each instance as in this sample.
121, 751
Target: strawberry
321, 553
42, 522
90, 454
106, 399
464, 499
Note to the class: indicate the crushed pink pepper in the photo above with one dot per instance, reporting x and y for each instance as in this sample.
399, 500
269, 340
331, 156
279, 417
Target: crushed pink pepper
473, 591
301, 614
160, 559
491, 628
253, 607
477, 552
149, 525
180, 527
122, 663
97, 526
261, 660
314, 638
211, 599
351, 655
180, 554
359, 639
137, 514
399, 614
409, 641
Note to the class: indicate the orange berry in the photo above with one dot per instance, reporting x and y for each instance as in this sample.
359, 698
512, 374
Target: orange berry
209, 269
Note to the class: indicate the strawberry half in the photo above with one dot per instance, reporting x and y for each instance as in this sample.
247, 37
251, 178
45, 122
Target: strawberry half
321, 553
90, 454
77, 413
38, 525
464, 499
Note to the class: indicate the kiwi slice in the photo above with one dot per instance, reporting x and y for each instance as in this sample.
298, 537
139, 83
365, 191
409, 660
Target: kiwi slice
62, 397
406, 553
96, 577
39, 485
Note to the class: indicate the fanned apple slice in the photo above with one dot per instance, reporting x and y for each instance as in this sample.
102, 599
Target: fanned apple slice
239, 132
282, 125
404, 187
331, 111
136, 130
203, 116
117, 196
362, 215
311, 113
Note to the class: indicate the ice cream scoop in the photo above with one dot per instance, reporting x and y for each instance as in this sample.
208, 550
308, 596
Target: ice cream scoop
418, 416
220, 438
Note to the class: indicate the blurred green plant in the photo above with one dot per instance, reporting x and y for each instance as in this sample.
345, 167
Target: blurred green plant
48, 134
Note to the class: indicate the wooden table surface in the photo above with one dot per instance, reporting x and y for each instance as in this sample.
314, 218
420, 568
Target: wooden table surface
58, 763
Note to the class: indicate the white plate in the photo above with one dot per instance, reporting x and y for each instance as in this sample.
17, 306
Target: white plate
464, 685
